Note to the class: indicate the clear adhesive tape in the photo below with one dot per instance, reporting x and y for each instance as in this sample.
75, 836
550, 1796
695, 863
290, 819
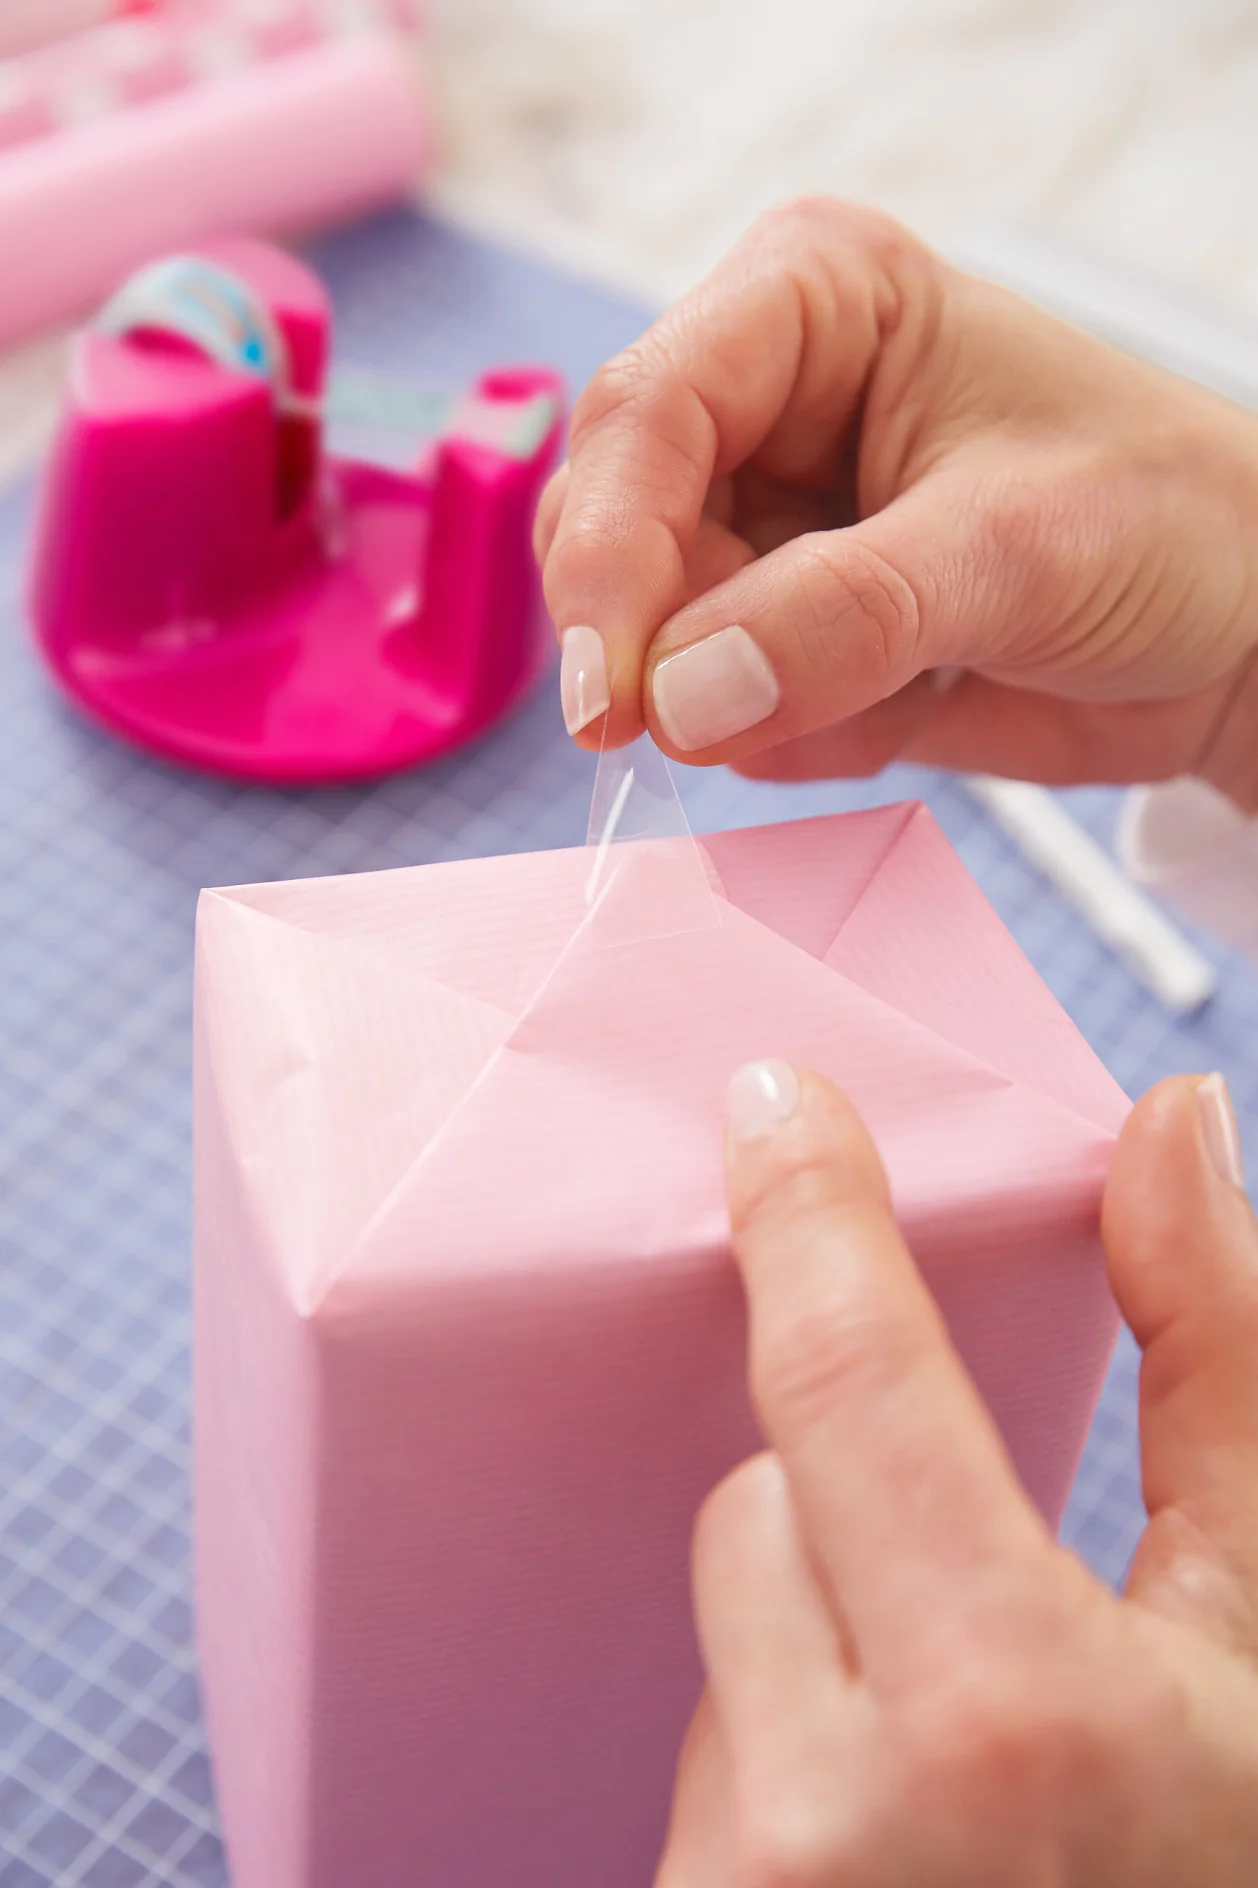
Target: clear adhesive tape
648, 876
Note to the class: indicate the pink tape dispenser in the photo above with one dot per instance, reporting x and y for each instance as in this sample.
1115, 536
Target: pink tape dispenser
211, 583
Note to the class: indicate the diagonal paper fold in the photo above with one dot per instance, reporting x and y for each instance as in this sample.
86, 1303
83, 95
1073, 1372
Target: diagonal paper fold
343, 1058
610, 1089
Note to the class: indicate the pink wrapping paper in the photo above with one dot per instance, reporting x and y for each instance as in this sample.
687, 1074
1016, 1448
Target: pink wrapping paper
469, 1342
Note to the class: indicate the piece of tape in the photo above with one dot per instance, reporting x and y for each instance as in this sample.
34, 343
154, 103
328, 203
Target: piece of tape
381, 414
376, 401
648, 876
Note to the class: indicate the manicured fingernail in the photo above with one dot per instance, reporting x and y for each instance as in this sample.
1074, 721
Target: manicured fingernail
1219, 1130
714, 689
761, 1096
583, 690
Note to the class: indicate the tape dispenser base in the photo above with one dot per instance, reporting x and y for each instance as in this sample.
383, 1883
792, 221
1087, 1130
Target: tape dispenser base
209, 581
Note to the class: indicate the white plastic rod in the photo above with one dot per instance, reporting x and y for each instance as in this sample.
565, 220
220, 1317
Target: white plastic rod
1084, 873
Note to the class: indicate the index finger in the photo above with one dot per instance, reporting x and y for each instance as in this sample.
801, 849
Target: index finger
770, 354
906, 1496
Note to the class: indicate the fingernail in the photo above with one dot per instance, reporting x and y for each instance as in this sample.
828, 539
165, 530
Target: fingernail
1219, 1130
943, 681
714, 689
583, 690
761, 1096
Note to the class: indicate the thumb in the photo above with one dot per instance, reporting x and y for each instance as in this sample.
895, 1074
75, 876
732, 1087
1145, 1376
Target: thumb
1183, 1252
833, 622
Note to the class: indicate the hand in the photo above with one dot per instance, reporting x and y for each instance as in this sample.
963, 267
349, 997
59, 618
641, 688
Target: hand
840, 470
909, 1684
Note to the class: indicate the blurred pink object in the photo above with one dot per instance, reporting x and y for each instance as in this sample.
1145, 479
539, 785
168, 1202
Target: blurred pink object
209, 116
26, 24
210, 583
469, 1342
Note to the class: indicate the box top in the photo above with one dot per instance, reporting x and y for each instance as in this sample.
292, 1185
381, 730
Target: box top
443, 1069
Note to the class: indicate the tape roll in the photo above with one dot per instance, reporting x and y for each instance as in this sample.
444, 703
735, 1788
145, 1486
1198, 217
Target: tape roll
210, 308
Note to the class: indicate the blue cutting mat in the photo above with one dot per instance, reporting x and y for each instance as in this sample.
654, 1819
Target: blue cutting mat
103, 1775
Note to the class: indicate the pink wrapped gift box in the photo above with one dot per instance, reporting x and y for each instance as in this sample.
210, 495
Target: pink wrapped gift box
469, 1341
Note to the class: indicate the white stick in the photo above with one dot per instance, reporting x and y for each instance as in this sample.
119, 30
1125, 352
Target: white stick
1084, 873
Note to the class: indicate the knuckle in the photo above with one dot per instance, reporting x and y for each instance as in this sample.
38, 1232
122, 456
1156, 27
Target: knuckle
815, 1350
788, 1844
724, 1510
886, 599
577, 558
1022, 514
1016, 1742
844, 257
817, 220
860, 606
1000, 1736
640, 390
622, 385
805, 1193
814, 214
641, 428
1049, 523
1058, 537
797, 1373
